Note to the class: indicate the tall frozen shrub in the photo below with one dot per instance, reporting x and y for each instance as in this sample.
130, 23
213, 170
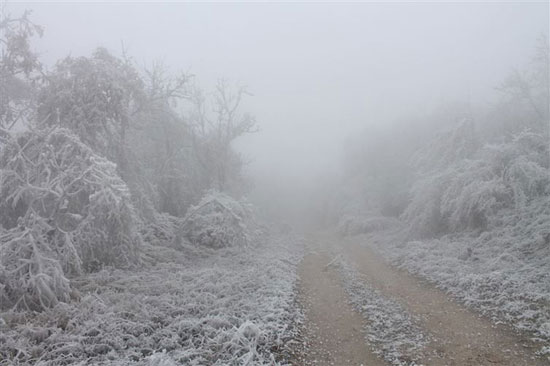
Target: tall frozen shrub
63, 210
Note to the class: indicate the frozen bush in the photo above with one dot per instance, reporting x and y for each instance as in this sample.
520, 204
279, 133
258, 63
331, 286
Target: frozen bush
468, 193
161, 230
526, 162
472, 194
217, 221
30, 275
61, 207
423, 214
453, 145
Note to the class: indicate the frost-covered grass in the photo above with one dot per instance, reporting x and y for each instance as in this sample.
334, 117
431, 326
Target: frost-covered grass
503, 272
191, 306
393, 332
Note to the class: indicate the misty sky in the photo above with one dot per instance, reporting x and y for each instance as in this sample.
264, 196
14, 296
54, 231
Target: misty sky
318, 72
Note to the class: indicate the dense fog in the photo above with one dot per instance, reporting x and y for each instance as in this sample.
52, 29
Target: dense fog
177, 179
318, 73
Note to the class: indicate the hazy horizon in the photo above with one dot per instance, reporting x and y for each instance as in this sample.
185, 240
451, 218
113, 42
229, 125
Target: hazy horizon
322, 71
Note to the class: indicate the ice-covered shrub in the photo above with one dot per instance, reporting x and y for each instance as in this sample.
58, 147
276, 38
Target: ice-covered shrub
468, 193
455, 144
161, 230
423, 214
473, 192
461, 197
61, 205
526, 161
217, 221
31, 277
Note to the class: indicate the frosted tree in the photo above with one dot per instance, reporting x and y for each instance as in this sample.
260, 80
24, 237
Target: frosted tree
216, 124
95, 98
529, 88
20, 70
161, 143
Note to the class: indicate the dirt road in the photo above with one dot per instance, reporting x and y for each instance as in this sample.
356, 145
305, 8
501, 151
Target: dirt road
334, 331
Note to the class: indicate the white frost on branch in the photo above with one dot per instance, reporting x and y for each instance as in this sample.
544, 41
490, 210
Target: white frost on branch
63, 211
217, 221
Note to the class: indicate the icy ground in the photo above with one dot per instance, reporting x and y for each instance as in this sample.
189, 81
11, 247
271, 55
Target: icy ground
503, 272
193, 306
390, 330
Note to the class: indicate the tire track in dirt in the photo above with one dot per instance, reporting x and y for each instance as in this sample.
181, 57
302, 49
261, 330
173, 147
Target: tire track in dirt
333, 331
460, 336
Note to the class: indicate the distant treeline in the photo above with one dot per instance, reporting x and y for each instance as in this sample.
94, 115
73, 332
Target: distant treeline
456, 168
